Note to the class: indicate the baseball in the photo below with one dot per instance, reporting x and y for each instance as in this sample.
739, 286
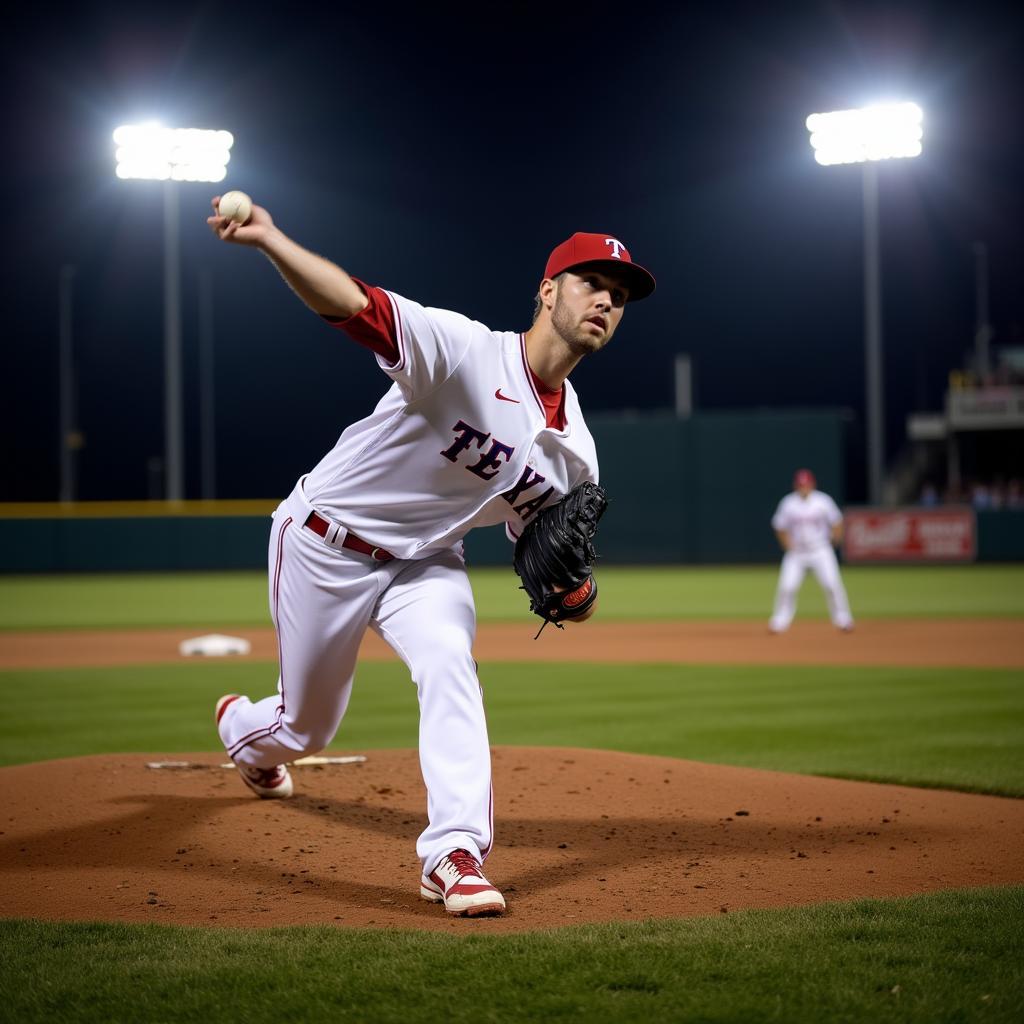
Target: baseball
236, 206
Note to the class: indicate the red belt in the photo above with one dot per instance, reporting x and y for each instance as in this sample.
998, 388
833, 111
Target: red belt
318, 524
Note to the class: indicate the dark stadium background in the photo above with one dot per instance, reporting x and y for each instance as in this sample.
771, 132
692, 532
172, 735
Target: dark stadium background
443, 153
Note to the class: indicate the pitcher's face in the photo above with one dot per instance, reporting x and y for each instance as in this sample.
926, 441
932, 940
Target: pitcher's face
588, 307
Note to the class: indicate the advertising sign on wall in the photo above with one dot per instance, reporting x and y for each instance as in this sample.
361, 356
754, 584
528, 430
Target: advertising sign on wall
910, 535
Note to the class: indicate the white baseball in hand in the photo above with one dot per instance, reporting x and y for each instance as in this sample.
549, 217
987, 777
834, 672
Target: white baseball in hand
236, 206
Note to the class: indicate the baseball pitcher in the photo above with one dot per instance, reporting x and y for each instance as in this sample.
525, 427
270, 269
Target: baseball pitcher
477, 428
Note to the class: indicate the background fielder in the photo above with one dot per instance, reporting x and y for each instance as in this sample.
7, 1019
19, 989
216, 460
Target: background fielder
479, 427
808, 523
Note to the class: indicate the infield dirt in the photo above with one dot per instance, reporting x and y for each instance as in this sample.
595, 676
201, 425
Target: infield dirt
582, 836
992, 643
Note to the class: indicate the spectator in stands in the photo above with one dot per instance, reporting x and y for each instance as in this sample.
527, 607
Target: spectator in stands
997, 493
929, 495
981, 495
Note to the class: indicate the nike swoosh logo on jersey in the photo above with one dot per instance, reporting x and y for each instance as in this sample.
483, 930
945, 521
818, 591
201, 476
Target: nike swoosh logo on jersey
505, 398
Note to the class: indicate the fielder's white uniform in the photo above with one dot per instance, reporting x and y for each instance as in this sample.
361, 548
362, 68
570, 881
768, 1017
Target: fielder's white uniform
808, 522
461, 439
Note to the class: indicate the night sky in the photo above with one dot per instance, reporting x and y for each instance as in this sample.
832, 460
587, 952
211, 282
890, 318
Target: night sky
443, 155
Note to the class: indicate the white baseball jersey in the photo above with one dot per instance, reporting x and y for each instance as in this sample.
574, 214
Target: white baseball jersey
808, 521
460, 440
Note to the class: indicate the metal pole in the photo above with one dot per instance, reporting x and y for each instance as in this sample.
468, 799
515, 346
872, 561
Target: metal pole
173, 416
207, 421
873, 336
982, 327
66, 381
684, 386
953, 481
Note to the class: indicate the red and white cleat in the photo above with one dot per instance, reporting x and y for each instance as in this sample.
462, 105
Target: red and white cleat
458, 882
267, 783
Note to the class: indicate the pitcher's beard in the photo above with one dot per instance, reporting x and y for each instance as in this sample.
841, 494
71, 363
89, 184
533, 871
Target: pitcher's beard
577, 338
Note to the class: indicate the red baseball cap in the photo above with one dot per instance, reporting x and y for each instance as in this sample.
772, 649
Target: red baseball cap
804, 478
604, 252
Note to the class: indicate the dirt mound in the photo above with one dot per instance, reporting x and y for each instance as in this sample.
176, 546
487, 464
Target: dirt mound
581, 836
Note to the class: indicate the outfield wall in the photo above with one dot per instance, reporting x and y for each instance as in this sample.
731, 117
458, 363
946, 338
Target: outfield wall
701, 490
696, 491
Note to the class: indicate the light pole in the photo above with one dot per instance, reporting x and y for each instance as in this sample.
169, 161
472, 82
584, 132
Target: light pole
982, 326
207, 420
866, 136
172, 155
70, 438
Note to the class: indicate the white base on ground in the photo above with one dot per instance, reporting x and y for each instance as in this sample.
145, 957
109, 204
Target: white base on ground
302, 762
215, 645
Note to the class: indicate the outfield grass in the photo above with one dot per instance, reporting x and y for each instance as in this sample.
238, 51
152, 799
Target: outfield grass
962, 729
949, 957
223, 600
686, 592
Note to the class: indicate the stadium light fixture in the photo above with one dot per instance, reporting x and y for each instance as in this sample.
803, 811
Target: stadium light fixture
172, 155
881, 132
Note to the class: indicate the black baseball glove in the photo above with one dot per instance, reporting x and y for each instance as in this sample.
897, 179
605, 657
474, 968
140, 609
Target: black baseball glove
554, 555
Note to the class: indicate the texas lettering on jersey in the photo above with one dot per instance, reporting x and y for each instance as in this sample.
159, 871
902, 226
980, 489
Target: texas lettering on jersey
460, 439
489, 465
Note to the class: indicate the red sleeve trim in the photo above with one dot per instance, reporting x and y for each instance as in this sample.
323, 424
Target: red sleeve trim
375, 327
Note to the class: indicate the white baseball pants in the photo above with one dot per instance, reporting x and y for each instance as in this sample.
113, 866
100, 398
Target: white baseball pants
322, 599
822, 562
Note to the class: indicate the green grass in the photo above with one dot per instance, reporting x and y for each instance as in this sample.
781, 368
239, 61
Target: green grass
223, 600
675, 592
121, 601
956, 728
949, 957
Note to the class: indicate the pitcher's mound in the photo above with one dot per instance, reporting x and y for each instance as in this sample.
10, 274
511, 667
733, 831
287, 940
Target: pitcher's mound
581, 836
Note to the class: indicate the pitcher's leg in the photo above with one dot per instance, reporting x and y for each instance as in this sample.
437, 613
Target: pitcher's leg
321, 601
826, 568
791, 575
427, 616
